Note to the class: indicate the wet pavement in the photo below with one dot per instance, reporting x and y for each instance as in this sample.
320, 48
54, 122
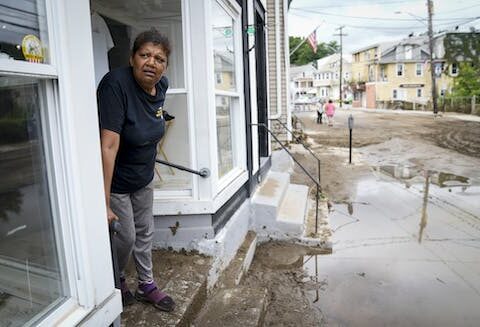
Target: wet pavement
406, 252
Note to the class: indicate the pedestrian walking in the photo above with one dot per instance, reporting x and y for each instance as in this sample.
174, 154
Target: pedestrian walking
319, 111
330, 112
132, 122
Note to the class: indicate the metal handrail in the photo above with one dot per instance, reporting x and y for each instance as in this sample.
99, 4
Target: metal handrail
303, 144
204, 172
317, 184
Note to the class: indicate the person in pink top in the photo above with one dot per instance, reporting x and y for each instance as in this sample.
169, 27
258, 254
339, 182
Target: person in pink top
330, 111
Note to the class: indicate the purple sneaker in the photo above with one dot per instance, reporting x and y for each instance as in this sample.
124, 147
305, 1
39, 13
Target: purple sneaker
127, 296
149, 293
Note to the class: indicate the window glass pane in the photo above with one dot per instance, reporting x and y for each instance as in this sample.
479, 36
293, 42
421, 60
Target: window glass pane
224, 134
23, 31
116, 24
30, 275
223, 48
174, 147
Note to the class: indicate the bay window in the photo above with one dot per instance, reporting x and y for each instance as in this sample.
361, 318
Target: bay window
226, 60
33, 275
45, 258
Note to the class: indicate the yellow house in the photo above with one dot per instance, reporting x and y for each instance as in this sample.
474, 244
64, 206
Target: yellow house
397, 74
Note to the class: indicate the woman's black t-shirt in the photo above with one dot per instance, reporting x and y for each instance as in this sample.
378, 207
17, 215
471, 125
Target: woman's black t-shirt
125, 108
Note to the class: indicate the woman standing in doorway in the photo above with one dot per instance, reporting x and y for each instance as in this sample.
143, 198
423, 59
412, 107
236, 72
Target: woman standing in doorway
330, 111
130, 103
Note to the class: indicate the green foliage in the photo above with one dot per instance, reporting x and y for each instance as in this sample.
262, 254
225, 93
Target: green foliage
305, 54
467, 83
462, 47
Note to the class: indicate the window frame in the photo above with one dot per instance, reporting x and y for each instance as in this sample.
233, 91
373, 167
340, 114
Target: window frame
401, 71
408, 52
454, 69
417, 70
83, 289
233, 10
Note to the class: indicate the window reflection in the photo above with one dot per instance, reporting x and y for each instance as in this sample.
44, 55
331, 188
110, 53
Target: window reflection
30, 276
23, 30
223, 49
174, 147
224, 135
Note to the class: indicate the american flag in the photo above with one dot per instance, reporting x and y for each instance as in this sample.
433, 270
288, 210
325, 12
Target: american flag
312, 41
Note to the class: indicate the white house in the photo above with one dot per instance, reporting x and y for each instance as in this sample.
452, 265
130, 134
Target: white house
301, 81
327, 77
55, 263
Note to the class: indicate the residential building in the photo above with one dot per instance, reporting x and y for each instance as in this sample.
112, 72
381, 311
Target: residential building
302, 81
278, 65
55, 262
397, 74
327, 78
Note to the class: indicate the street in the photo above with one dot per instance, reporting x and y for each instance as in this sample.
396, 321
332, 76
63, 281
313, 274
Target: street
405, 219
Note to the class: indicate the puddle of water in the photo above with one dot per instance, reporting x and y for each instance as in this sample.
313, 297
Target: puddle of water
406, 251
411, 174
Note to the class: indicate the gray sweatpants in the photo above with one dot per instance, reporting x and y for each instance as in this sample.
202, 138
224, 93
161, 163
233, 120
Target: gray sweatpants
134, 211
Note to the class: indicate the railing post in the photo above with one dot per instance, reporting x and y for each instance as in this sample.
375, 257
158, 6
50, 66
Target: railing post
473, 105
316, 211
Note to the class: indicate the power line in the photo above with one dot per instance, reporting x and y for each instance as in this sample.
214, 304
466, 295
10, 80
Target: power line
356, 5
341, 35
402, 28
378, 18
430, 48
459, 9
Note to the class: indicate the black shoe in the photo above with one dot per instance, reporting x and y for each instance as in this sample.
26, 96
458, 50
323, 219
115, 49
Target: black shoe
127, 296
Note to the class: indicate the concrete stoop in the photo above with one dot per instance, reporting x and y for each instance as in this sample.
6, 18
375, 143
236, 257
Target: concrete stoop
230, 304
283, 212
233, 275
323, 232
235, 307
279, 208
184, 277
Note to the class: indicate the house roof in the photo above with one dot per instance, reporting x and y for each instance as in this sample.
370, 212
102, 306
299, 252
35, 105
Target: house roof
297, 71
415, 41
294, 70
382, 46
323, 64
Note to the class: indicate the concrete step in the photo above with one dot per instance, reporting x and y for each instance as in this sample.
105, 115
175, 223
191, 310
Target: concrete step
282, 162
238, 267
231, 304
235, 307
291, 216
319, 237
268, 198
184, 277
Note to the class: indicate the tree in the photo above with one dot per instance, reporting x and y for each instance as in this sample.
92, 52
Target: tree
467, 83
305, 54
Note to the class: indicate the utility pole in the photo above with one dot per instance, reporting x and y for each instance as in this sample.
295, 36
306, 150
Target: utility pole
430, 46
341, 61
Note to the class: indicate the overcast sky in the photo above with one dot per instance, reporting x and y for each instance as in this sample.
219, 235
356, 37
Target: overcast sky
370, 21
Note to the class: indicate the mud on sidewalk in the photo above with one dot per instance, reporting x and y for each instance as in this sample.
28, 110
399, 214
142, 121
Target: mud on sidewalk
279, 267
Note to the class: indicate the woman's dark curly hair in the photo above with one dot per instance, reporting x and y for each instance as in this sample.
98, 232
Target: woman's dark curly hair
154, 37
